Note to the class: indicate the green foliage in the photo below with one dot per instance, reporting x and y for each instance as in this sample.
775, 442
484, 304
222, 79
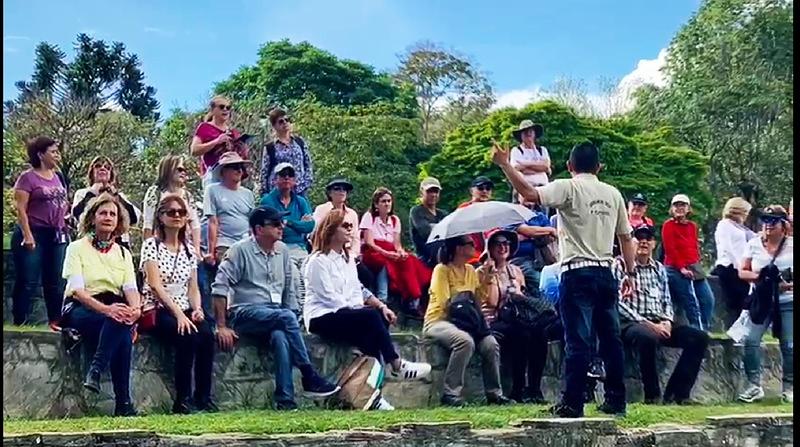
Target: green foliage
633, 163
14, 158
285, 73
730, 95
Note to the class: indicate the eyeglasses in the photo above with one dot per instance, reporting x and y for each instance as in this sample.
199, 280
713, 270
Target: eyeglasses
338, 188
347, 226
175, 212
274, 223
503, 243
283, 120
771, 221
434, 190
107, 167
236, 167
180, 170
484, 187
224, 106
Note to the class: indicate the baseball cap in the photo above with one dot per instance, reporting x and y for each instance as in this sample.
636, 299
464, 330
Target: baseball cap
264, 214
430, 182
283, 166
680, 198
482, 180
639, 198
644, 231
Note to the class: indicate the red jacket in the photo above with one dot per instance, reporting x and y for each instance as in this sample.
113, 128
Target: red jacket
681, 244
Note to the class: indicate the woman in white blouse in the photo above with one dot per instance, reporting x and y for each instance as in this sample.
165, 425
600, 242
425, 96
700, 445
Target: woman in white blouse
171, 292
731, 237
339, 309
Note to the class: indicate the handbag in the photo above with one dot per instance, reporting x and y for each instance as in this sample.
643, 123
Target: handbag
765, 293
147, 321
463, 312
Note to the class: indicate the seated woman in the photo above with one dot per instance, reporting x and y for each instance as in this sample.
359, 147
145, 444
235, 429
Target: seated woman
338, 308
171, 292
527, 346
452, 276
406, 274
101, 300
103, 178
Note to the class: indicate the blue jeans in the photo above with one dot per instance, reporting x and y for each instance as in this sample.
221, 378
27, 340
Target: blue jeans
588, 305
205, 277
280, 328
44, 263
382, 284
752, 348
114, 343
694, 297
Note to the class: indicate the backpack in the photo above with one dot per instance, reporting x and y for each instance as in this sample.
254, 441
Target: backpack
361, 382
464, 313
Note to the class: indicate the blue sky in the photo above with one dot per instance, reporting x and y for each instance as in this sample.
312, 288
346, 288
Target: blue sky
186, 46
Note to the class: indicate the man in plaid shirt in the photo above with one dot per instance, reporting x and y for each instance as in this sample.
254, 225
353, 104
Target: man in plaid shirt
646, 322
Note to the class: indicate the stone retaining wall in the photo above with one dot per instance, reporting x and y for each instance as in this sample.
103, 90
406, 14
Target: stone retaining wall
41, 381
728, 431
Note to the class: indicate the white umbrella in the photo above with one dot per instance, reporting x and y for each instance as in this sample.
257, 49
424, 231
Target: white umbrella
477, 218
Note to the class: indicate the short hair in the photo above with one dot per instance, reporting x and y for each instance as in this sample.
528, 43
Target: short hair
36, 146
585, 157
736, 206
275, 114
87, 218
101, 158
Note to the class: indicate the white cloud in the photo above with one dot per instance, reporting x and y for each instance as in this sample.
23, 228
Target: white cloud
518, 98
159, 31
647, 72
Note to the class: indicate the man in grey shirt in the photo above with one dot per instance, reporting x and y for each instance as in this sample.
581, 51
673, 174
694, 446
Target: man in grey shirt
254, 291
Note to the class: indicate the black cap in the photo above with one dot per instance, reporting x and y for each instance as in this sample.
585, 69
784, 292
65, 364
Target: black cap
639, 198
264, 214
482, 180
774, 213
341, 181
644, 231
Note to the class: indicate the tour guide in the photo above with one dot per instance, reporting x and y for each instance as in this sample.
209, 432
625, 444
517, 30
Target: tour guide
590, 214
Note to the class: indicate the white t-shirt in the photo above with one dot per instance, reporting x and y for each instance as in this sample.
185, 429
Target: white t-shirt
527, 155
175, 270
731, 239
760, 259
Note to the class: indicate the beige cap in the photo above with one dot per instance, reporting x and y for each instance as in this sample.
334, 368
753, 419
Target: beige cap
430, 182
681, 198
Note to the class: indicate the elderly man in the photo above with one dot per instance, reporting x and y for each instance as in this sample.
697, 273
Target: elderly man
591, 214
422, 218
646, 320
255, 295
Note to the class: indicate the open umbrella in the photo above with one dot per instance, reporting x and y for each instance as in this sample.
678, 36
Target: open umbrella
477, 218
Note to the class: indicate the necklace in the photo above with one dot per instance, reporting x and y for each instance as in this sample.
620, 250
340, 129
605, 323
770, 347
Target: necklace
101, 246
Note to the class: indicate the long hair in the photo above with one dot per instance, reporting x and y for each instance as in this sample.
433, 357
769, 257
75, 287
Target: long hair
158, 226
213, 103
102, 159
376, 196
325, 232
87, 218
166, 168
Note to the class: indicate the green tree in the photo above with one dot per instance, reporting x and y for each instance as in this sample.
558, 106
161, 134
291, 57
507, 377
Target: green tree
639, 162
730, 96
450, 89
286, 73
99, 75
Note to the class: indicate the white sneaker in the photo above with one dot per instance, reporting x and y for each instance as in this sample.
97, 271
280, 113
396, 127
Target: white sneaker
753, 393
383, 405
409, 371
788, 396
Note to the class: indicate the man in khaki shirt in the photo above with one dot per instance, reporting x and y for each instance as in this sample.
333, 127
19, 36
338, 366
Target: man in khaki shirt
591, 213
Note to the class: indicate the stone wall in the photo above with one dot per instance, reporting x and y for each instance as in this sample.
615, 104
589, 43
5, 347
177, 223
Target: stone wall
41, 381
729, 431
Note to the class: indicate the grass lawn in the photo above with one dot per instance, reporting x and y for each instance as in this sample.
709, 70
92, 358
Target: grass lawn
314, 421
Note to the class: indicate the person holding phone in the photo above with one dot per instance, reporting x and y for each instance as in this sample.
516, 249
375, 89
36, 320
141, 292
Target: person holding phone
215, 136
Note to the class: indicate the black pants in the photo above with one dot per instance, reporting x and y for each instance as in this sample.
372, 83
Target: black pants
192, 351
734, 290
527, 350
364, 328
645, 342
366, 277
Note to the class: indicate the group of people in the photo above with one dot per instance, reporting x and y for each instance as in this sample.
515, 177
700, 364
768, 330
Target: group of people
268, 266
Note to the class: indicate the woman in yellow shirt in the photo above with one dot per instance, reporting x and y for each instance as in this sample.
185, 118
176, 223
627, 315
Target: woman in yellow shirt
101, 300
452, 276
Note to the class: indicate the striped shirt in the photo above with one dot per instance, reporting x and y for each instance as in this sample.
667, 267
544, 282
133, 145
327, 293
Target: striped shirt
650, 299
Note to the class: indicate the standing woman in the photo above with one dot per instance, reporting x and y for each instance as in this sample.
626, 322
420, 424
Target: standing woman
103, 178
731, 237
172, 177
171, 291
39, 240
215, 136
774, 246
406, 274
102, 302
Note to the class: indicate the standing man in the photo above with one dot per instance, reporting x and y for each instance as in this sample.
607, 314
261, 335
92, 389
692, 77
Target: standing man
532, 161
647, 323
299, 220
423, 217
256, 275
286, 148
227, 205
591, 213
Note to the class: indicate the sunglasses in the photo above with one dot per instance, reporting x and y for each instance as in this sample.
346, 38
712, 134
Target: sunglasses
484, 187
175, 212
339, 188
180, 170
274, 223
771, 220
502, 242
347, 226
237, 167
283, 120
467, 242
104, 166
224, 107
433, 190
